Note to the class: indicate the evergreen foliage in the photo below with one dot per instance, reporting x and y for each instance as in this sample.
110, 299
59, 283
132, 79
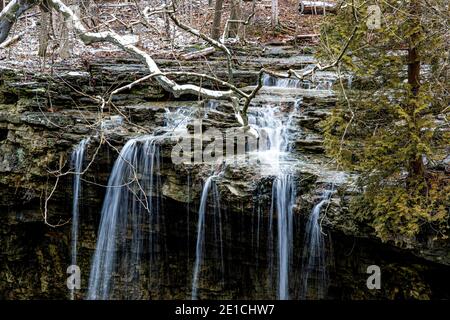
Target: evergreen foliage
392, 126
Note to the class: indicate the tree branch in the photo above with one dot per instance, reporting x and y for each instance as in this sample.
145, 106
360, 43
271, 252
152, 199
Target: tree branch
111, 37
10, 14
317, 67
16, 7
218, 45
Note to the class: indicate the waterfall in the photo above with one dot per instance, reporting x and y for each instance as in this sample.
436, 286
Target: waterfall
128, 243
314, 269
318, 81
209, 191
283, 196
314, 272
131, 202
77, 160
271, 81
283, 190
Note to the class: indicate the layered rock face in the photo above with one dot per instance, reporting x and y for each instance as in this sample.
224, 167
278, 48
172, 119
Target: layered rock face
43, 116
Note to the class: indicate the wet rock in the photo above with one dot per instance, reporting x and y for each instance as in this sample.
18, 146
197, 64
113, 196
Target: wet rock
42, 119
310, 145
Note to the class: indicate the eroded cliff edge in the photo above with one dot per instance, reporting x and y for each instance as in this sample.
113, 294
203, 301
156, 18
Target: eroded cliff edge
44, 115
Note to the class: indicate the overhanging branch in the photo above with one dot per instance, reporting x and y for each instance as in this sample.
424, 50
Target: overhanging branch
317, 67
10, 14
111, 37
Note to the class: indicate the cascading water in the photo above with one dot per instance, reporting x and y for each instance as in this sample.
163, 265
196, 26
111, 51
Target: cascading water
314, 266
209, 193
132, 201
319, 81
128, 205
283, 195
128, 244
283, 199
77, 160
283, 189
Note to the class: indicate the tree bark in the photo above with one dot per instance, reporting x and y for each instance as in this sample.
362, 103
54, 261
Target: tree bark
235, 14
63, 33
414, 67
215, 32
44, 28
275, 13
317, 7
416, 166
88, 38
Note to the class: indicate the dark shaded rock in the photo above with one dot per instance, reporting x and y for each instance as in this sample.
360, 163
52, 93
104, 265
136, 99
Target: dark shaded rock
42, 119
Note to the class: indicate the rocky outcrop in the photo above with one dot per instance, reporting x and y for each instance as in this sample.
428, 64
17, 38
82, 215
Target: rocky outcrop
43, 116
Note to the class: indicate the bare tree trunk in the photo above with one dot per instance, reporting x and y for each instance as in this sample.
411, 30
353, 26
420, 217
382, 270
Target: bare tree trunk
167, 24
215, 32
64, 47
275, 13
234, 15
44, 28
2, 4
416, 166
190, 11
64, 25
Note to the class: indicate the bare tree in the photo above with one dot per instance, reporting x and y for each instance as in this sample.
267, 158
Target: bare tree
416, 166
218, 10
239, 99
61, 27
44, 28
275, 12
232, 94
235, 15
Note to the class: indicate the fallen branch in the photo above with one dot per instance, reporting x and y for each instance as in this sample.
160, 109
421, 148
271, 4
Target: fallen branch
241, 116
306, 36
255, 91
243, 22
11, 41
200, 53
109, 36
317, 7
